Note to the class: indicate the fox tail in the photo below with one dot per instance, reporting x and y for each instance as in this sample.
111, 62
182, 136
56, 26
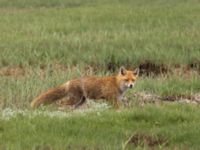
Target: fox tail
50, 96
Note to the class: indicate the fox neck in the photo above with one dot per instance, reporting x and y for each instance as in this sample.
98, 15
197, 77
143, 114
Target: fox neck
121, 86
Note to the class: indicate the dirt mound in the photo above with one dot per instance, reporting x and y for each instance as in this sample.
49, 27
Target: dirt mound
148, 68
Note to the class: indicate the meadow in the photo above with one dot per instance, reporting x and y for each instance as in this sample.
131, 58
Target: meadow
45, 43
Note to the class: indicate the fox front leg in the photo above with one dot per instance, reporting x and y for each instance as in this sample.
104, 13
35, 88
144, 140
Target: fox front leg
117, 102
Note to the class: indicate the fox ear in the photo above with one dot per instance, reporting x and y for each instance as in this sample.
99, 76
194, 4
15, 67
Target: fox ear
136, 72
122, 71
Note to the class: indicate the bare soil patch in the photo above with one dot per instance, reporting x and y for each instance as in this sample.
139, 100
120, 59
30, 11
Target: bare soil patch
19, 71
151, 69
195, 66
12, 71
147, 68
147, 97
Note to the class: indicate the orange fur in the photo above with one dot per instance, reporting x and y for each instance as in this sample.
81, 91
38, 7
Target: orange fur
77, 90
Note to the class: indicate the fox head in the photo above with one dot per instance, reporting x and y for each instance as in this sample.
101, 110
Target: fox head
126, 78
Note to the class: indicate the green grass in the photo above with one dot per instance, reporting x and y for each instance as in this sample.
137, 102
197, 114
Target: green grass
179, 124
38, 32
52, 41
170, 86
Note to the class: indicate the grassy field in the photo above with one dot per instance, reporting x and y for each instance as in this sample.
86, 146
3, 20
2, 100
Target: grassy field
177, 127
42, 33
45, 43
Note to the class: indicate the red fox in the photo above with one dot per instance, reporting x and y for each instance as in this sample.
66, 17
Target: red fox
77, 90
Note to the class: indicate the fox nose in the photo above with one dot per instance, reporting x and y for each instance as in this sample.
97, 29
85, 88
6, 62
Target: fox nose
131, 86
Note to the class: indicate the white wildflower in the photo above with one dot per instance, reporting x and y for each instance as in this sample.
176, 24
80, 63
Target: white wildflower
9, 113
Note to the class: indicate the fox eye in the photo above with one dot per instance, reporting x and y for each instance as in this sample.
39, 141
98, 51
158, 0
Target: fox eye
133, 80
126, 80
